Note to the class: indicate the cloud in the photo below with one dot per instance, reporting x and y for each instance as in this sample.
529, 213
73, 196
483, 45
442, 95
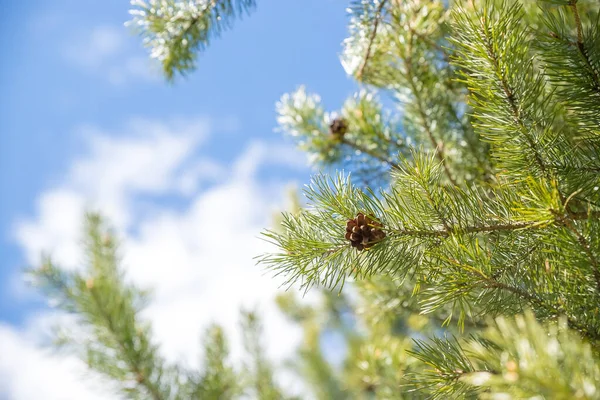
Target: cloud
144, 159
111, 52
198, 257
29, 372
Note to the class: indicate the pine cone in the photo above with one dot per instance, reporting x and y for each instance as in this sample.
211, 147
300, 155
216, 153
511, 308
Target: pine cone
338, 127
364, 231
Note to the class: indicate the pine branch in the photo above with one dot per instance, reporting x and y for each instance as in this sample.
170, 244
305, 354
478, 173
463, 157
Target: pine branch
365, 127
448, 230
175, 31
371, 153
581, 46
125, 348
378, 17
219, 380
437, 146
315, 249
509, 92
538, 303
583, 242
514, 358
514, 109
573, 67
447, 363
260, 370
433, 44
120, 346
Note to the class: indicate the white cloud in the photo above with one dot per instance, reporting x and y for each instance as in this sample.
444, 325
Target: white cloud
29, 372
144, 159
198, 258
260, 153
200, 172
111, 52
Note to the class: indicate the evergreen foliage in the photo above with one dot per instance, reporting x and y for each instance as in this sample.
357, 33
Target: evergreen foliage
174, 31
485, 181
114, 340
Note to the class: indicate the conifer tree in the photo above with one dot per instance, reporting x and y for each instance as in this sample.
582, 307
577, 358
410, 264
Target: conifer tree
455, 239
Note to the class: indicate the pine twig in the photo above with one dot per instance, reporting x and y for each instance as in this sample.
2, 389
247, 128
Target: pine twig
438, 146
583, 242
141, 379
371, 40
581, 45
511, 98
447, 231
370, 153
533, 299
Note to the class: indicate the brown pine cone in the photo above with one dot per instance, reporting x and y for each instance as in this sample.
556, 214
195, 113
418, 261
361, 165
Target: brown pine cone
338, 127
364, 231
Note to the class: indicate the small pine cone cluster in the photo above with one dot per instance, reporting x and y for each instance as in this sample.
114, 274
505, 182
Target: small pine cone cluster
338, 128
364, 231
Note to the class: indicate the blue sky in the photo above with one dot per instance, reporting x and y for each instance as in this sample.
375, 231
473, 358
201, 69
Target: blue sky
86, 121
